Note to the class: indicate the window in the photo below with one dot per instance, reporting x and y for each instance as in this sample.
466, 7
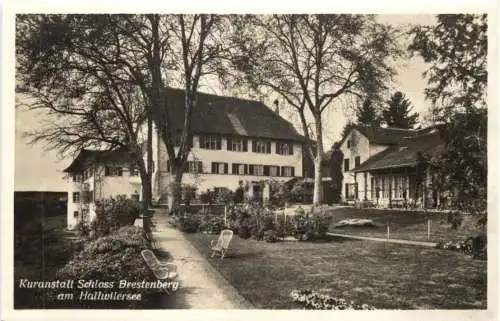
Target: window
287, 171
260, 146
258, 170
239, 169
210, 142
351, 191
76, 197
348, 143
357, 161
284, 148
113, 171
219, 168
194, 167
237, 145
274, 171
77, 177
346, 164
385, 188
75, 214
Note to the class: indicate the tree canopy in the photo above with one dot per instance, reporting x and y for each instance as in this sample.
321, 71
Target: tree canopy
398, 112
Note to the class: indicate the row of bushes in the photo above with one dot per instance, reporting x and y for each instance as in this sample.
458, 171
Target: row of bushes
474, 246
110, 258
262, 223
312, 300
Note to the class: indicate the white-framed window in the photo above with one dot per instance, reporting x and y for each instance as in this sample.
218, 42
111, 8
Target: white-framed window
76, 197
210, 142
113, 171
219, 168
287, 171
77, 177
284, 148
195, 167
274, 171
258, 170
261, 146
239, 169
75, 214
237, 144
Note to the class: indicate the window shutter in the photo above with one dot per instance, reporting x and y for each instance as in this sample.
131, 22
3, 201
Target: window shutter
254, 146
200, 141
277, 148
200, 167
229, 144
245, 145
250, 169
245, 170
233, 169
290, 149
266, 170
214, 167
226, 167
293, 171
278, 171
106, 171
218, 142
268, 148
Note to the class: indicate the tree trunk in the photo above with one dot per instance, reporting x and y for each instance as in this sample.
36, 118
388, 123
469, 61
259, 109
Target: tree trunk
317, 179
317, 161
176, 188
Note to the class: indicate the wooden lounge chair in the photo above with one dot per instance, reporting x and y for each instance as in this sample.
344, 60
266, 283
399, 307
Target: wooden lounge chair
162, 271
222, 244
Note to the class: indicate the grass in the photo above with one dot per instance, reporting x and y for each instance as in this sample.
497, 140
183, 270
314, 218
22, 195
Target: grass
406, 225
388, 276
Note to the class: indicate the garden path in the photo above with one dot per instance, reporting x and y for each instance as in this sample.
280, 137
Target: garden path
201, 286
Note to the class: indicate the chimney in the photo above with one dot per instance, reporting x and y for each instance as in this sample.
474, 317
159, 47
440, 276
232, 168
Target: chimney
276, 106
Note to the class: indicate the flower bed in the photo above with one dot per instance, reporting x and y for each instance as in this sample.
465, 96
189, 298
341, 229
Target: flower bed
311, 300
475, 246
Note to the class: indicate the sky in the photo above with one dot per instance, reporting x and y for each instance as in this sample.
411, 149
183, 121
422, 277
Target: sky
39, 170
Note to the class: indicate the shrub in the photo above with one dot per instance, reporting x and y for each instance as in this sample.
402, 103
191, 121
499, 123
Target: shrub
455, 218
189, 223
315, 301
110, 259
271, 236
212, 224
312, 226
239, 195
113, 214
475, 246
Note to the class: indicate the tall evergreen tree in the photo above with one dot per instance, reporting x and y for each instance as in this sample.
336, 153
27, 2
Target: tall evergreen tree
366, 114
399, 112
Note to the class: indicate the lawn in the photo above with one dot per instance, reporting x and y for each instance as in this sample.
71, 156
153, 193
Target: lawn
388, 276
407, 225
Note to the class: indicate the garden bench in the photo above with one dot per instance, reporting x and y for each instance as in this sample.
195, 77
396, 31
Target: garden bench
162, 271
220, 248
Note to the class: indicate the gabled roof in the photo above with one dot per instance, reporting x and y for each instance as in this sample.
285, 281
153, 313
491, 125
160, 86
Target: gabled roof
228, 116
382, 135
427, 143
89, 156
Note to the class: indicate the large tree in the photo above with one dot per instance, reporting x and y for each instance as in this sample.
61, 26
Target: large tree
101, 76
398, 112
456, 48
313, 62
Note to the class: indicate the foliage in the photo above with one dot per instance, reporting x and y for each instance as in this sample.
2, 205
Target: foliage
312, 300
239, 195
82, 229
456, 49
110, 259
212, 224
455, 218
475, 246
367, 114
312, 226
398, 112
111, 214
189, 223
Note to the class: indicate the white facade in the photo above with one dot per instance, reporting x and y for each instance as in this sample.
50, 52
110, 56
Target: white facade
207, 179
357, 149
82, 193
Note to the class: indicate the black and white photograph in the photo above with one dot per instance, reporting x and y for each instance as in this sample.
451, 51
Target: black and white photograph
251, 161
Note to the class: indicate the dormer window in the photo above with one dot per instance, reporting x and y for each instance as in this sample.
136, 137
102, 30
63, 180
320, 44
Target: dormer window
348, 143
